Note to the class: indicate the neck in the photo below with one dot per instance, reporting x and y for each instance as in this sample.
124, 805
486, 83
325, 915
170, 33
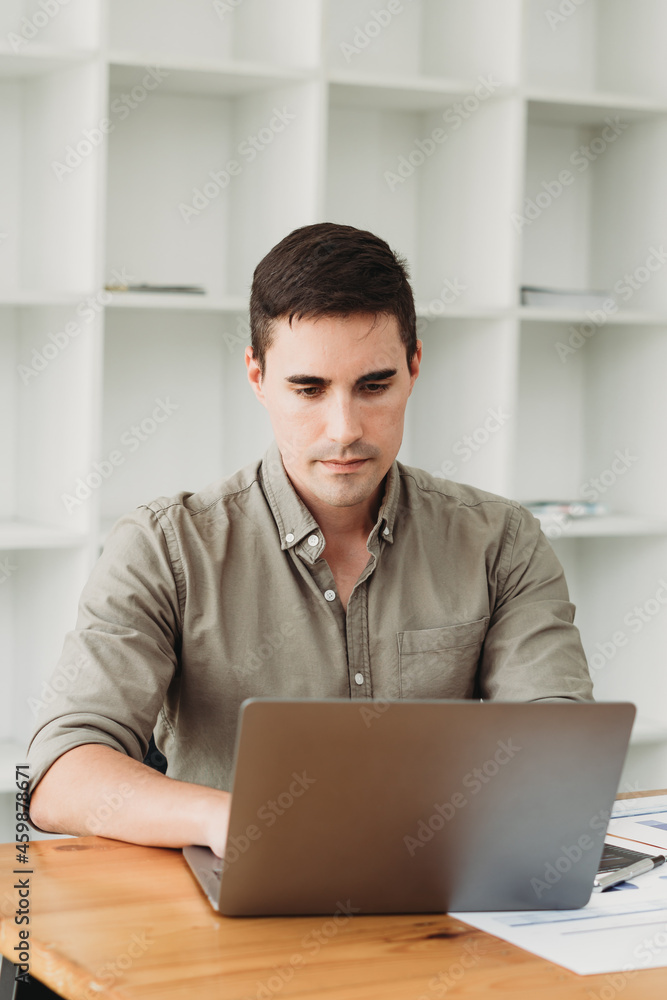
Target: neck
346, 525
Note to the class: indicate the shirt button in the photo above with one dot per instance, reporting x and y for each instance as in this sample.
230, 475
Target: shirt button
289, 537
313, 539
330, 595
358, 678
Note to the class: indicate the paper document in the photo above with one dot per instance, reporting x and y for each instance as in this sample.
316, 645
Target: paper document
621, 930
645, 821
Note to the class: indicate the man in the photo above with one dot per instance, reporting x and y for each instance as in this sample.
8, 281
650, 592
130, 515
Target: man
328, 569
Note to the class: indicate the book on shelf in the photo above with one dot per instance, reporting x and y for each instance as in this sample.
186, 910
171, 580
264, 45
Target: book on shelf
145, 287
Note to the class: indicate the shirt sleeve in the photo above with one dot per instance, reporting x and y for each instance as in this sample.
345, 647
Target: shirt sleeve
532, 650
109, 684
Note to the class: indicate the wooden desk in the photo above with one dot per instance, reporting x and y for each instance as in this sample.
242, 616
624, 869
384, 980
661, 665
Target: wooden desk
112, 920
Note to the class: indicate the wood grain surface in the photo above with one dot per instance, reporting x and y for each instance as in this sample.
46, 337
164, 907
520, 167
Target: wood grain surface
114, 920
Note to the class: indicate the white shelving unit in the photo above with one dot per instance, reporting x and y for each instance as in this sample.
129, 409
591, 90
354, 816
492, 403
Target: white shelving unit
164, 142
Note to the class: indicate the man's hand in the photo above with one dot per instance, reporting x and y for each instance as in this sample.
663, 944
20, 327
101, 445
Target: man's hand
94, 789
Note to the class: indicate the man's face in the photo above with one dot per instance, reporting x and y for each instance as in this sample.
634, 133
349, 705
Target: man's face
336, 389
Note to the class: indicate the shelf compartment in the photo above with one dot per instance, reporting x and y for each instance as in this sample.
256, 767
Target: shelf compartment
200, 188
31, 29
211, 422
593, 211
50, 192
594, 46
461, 39
466, 432
47, 386
443, 202
36, 609
590, 422
623, 628
274, 32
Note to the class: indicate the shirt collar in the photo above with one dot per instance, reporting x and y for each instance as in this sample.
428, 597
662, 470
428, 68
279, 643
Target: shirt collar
293, 518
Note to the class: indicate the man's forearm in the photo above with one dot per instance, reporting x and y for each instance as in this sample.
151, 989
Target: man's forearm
94, 789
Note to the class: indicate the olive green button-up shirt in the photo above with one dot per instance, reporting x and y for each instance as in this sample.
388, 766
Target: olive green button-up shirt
204, 599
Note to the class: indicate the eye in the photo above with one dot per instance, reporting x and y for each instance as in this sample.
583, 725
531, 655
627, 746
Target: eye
307, 392
371, 388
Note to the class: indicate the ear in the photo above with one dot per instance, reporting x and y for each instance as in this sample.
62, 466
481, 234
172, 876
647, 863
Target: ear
254, 375
414, 366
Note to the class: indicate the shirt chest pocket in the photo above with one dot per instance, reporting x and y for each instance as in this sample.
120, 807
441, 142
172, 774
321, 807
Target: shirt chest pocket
440, 662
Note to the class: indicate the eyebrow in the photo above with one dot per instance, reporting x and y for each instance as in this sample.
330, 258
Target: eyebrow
379, 376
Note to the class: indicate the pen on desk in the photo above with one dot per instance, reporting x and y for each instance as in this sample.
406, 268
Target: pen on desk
603, 882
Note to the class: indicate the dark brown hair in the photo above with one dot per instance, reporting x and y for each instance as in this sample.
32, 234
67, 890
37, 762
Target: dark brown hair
330, 270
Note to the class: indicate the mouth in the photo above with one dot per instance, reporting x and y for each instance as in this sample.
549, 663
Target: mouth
346, 466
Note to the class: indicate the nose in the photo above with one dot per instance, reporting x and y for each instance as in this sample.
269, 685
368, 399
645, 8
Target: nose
343, 420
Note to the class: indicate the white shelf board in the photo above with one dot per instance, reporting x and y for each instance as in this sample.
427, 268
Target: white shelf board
418, 93
463, 312
169, 300
622, 317
207, 77
647, 730
38, 297
36, 59
17, 534
11, 754
603, 526
588, 109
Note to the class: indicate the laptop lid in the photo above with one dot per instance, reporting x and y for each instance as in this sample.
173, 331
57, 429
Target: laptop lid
419, 806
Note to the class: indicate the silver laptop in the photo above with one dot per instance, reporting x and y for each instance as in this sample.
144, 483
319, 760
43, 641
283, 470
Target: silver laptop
416, 806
